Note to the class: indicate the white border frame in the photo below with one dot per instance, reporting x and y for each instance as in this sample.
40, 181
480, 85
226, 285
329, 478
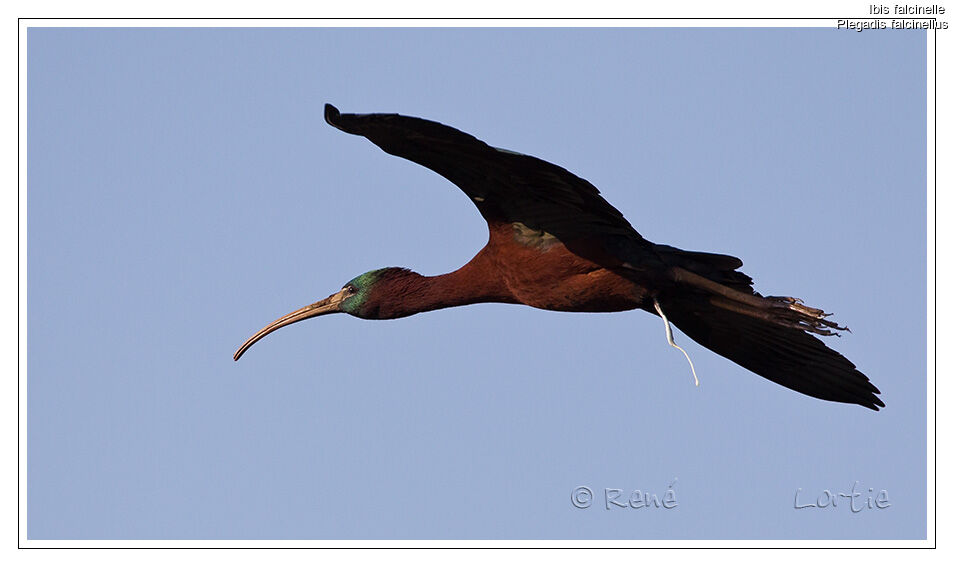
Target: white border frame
23, 542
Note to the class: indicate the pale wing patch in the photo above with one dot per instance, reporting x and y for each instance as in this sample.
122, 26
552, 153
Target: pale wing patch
533, 238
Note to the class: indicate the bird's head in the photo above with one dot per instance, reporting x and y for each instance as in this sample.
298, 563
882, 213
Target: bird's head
372, 295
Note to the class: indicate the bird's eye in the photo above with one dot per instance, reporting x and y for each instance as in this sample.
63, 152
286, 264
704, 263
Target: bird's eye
351, 289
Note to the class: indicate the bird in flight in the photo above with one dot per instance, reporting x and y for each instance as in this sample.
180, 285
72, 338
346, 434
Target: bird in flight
556, 244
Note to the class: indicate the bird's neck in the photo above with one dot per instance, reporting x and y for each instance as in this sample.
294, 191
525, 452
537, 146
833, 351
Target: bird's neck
476, 282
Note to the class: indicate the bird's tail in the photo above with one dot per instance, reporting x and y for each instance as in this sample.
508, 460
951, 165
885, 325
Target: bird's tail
771, 336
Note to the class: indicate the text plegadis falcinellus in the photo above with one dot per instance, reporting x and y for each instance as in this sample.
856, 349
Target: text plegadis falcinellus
556, 244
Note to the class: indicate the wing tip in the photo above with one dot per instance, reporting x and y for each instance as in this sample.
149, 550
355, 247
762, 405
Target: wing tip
871, 402
331, 115
875, 403
867, 398
857, 390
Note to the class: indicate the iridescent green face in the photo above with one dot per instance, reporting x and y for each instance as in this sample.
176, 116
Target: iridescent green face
358, 290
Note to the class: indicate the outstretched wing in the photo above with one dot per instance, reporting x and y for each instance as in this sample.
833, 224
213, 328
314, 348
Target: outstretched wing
786, 356
505, 186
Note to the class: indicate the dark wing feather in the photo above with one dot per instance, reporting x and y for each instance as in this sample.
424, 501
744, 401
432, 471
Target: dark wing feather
505, 186
786, 356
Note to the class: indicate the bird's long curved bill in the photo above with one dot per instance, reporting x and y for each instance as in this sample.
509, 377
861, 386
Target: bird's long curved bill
327, 305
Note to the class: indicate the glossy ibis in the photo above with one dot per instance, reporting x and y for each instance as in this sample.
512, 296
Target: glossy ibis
556, 244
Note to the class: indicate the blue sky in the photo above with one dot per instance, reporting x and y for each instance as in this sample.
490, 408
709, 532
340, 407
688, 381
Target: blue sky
184, 191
